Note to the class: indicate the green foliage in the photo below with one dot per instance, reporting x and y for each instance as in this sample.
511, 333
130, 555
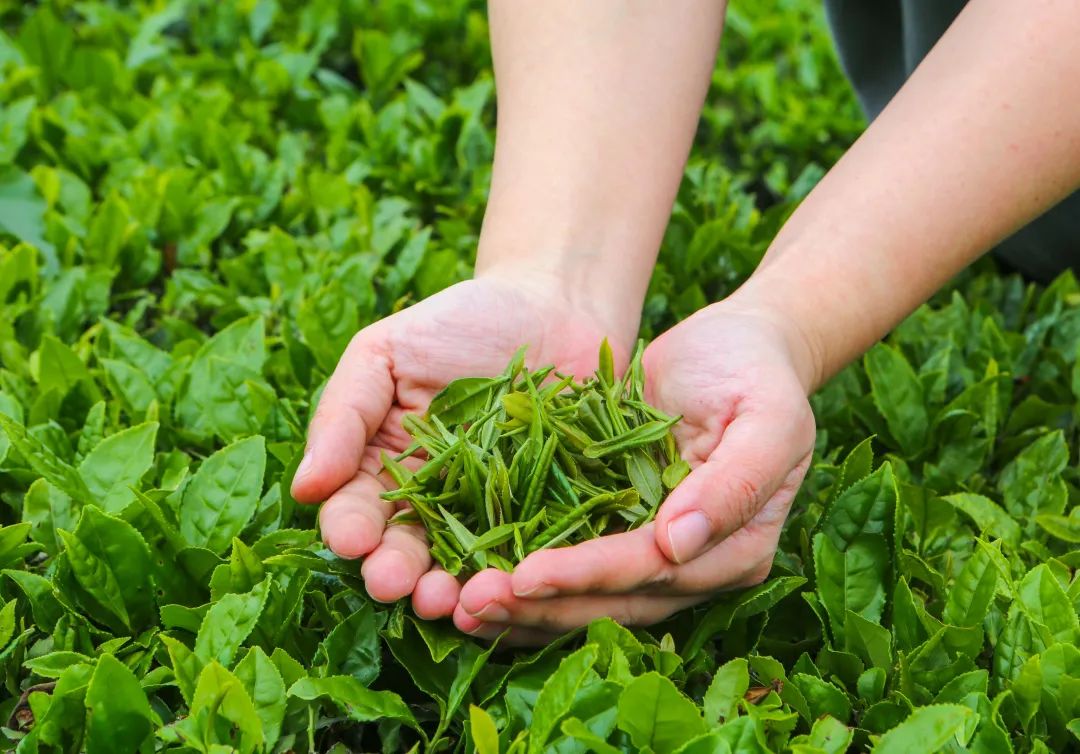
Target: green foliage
200, 202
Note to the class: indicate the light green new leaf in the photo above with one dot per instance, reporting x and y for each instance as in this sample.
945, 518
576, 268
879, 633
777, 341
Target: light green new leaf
852, 550
1041, 596
866, 507
753, 601
22, 211
228, 623
1065, 528
853, 580
928, 729
327, 320
856, 466
220, 695
830, 736
223, 494
726, 690
42, 595
898, 395
574, 728
54, 664
119, 719
266, 688
823, 697
14, 548
126, 346
988, 516
7, 622
215, 397
713, 742
14, 119
655, 714
359, 703
42, 460
130, 384
972, 592
48, 509
59, 368
1031, 483
557, 694
462, 399
94, 575
871, 641
352, 647
607, 636
111, 562
485, 736
186, 666
117, 463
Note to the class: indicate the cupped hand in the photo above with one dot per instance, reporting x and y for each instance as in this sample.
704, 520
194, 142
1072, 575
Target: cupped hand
395, 367
738, 379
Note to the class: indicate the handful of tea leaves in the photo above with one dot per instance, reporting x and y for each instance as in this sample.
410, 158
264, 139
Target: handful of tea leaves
534, 459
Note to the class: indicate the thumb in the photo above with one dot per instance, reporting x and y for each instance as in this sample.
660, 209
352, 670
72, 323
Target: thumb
353, 406
760, 451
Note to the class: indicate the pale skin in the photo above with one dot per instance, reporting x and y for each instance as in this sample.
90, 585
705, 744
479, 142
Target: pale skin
598, 103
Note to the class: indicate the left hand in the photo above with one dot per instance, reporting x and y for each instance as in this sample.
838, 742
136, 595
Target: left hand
739, 379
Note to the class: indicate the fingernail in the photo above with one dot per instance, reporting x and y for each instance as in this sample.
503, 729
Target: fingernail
486, 631
305, 465
688, 534
537, 591
493, 612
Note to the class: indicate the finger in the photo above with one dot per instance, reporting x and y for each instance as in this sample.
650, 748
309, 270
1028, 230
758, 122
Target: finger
757, 454
435, 595
518, 636
528, 637
353, 406
393, 569
392, 434
615, 564
743, 559
353, 519
474, 626
371, 462
488, 598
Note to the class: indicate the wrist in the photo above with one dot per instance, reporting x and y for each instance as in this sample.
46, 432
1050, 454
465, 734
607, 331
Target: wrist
798, 336
578, 281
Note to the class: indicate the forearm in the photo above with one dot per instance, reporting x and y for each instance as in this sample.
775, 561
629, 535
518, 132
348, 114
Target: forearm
983, 138
597, 107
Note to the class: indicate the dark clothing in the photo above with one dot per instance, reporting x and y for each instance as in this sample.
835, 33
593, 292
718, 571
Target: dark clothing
880, 42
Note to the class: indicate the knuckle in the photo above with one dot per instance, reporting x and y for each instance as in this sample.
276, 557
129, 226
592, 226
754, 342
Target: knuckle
371, 461
581, 568
322, 414
642, 613
663, 575
747, 495
360, 340
805, 424
552, 621
757, 574
631, 614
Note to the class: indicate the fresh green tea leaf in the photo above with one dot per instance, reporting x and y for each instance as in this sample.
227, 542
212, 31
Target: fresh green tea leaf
656, 715
117, 463
119, 719
223, 494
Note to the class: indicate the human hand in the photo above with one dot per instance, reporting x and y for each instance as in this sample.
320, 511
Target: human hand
395, 367
740, 382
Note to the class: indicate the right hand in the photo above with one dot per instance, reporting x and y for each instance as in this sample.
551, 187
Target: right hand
396, 366
739, 377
